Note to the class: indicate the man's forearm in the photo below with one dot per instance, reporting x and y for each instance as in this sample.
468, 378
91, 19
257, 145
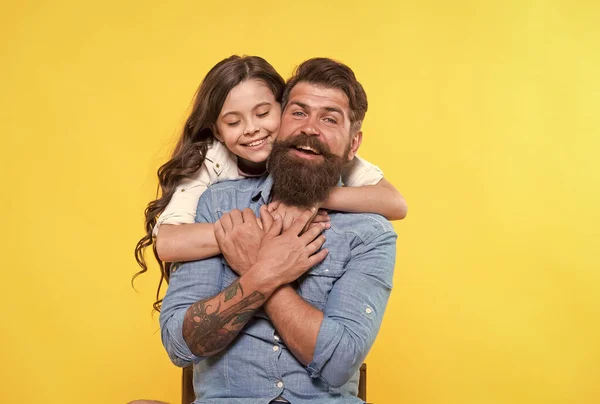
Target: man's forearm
211, 324
297, 322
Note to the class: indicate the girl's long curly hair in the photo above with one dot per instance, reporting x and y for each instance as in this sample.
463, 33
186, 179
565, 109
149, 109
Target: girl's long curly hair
196, 137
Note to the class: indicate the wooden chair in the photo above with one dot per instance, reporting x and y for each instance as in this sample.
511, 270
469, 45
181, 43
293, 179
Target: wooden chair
188, 396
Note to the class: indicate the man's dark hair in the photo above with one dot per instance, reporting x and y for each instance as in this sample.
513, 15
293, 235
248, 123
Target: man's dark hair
332, 74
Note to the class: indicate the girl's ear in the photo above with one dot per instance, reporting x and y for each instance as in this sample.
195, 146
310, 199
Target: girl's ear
216, 133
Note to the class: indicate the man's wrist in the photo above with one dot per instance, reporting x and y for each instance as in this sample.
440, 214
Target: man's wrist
266, 282
282, 292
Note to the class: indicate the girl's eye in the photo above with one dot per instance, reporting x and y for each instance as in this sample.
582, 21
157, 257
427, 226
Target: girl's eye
263, 114
233, 123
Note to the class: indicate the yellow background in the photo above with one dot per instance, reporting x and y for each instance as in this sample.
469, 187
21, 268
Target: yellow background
484, 113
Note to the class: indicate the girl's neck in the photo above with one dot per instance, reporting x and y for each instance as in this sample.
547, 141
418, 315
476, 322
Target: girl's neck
250, 168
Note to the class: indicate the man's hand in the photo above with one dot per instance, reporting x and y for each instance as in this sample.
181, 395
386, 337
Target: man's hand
285, 255
239, 236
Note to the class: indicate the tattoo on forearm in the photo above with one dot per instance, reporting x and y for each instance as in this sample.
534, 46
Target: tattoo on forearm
232, 290
207, 330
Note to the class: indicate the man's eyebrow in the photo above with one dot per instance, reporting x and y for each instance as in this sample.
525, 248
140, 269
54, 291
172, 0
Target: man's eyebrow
329, 109
334, 109
300, 104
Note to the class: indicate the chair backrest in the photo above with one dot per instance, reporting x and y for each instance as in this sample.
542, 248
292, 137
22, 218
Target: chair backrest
187, 386
188, 396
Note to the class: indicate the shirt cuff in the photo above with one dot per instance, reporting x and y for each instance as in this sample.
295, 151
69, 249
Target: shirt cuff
361, 173
177, 348
330, 335
173, 218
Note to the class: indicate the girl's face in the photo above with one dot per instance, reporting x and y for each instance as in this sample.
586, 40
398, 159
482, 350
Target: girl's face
249, 122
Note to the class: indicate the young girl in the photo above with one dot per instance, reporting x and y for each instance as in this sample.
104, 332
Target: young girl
229, 135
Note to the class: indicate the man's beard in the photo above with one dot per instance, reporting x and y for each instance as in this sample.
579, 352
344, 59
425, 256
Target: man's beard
304, 182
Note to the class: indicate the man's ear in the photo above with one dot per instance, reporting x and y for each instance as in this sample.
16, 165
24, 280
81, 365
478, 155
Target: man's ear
354, 144
216, 133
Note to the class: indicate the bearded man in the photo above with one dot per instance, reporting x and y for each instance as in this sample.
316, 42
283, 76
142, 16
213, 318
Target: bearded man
285, 314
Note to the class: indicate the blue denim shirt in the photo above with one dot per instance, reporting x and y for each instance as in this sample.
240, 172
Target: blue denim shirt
351, 287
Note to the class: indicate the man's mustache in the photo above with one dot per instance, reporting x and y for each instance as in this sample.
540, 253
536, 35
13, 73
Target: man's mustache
303, 139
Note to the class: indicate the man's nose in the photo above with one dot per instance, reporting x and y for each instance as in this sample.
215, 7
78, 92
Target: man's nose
311, 127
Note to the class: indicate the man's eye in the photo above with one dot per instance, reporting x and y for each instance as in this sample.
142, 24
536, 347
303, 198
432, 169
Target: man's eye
331, 120
298, 113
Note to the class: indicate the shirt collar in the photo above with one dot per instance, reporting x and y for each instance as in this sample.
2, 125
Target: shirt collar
218, 153
263, 191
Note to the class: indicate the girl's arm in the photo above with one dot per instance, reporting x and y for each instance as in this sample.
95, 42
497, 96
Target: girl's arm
186, 242
382, 198
178, 237
366, 191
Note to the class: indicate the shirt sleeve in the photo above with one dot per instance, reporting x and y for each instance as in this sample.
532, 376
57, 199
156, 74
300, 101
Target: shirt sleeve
182, 206
189, 283
360, 172
354, 311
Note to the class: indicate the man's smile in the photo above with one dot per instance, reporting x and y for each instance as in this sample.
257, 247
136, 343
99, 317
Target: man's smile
306, 152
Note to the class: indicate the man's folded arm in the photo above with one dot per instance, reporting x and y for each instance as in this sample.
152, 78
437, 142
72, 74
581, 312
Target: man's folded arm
199, 318
189, 283
334, 343
354, 311
194, 327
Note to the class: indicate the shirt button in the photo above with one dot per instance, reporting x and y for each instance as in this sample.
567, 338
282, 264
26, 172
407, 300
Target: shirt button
279, 384
276, 337
182, 189
275, 348
218, 165
368, 310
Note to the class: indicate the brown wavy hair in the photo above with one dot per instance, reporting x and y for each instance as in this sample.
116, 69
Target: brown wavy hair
195, 139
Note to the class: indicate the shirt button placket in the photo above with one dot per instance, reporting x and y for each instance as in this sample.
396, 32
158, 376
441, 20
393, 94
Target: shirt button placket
274, 359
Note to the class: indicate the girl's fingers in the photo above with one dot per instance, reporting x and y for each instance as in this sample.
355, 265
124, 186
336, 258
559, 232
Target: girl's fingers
276, 226
288, 220
312, 233
321, 217
266, 218
273, 206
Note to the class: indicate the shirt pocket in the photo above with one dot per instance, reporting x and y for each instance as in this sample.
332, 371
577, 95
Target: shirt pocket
316, 284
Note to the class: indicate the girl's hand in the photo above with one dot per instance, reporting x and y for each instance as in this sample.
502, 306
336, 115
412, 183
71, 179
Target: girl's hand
291, 213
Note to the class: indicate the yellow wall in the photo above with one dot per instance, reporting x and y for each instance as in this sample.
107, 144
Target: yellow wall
485, 115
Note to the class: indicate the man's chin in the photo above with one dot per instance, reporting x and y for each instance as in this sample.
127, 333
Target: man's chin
300, 179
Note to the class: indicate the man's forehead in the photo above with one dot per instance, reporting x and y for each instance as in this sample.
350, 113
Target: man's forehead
318, 96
